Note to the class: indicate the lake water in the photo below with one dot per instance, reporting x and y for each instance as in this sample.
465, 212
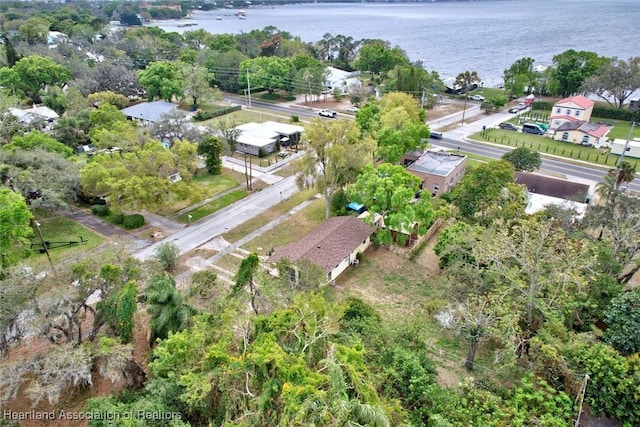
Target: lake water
451, 37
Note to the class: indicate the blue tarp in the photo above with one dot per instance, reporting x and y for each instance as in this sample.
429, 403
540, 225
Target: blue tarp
356, 207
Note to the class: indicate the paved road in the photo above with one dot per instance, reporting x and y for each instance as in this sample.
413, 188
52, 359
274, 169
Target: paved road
209, 227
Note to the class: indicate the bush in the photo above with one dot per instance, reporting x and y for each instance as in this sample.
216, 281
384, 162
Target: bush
270, 96
117, 218
100, 210
167, 254
132, 222
289, 98
294, 118
202, 115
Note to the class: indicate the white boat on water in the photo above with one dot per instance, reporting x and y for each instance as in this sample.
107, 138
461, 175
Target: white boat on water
241, 14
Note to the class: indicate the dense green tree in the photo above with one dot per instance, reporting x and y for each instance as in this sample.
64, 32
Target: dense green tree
225, 66
377, 57
105, 117
45, 179
33, 74
523, 159
140, 178
336, 155
455, 244
271, 73
161, 79
477, 193
195, 83
169, 313
15, 227
118, 310
38, 140
390, 191
223, 43
520, 76
570, 70
211, 149
617, 79
623, 323
613, 381
107, 97
167, 254
531, 283
34, 30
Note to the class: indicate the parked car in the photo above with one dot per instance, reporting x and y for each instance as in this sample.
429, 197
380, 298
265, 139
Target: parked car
435, 135
328, 113
522, 105
353, 109
477, 97
283, 154
508, 126
514, 110
532, 128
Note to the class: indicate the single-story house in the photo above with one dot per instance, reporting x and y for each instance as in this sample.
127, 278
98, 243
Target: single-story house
344, 80
543, 191
333, 246
571, 109
148, 112
439, 171
633, 147
263, 138
581, 132
33, 114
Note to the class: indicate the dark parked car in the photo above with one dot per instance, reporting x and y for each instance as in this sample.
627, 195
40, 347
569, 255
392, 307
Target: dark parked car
435, 135
508, 126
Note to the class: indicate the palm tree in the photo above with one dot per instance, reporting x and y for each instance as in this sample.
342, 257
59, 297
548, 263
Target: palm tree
168, 311
465, 80
626, 172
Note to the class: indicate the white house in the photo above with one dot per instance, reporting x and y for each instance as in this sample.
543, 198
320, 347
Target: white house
263, 138
571, 109
35, 113
343, 80
633, 148
148, 112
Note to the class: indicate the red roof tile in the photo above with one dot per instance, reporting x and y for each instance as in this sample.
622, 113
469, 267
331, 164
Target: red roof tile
327, 245
579, 100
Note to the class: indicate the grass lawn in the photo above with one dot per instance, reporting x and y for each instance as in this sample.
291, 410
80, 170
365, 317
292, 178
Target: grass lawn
620, 128
214, 184
212, 206
270, 214
205, 186
245, 116
543, 145
490, 92
296, 226
60, 231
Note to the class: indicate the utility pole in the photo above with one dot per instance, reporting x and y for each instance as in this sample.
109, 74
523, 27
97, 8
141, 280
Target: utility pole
248, 89
44, 244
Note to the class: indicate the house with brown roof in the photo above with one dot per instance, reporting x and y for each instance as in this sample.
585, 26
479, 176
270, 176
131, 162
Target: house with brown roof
571, 109
582, 132
544, 191
333, 246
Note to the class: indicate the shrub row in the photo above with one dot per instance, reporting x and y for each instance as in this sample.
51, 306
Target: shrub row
202, 115
129, 222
